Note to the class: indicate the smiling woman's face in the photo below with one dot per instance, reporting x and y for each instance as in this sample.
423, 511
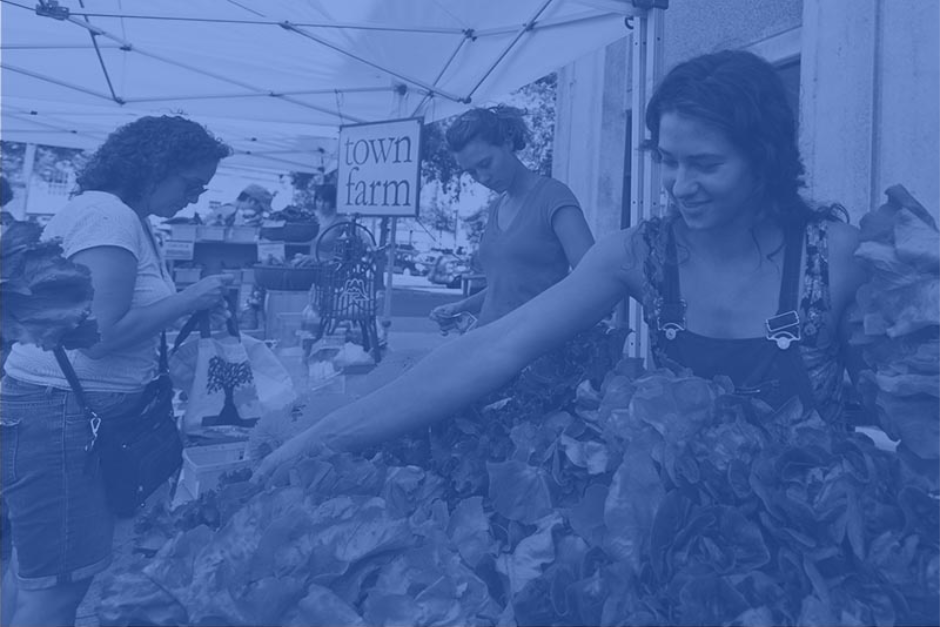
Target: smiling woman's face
706, 176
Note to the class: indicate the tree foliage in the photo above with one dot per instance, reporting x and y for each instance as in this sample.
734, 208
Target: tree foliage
474, 224
55, 164
13, 154
51, 163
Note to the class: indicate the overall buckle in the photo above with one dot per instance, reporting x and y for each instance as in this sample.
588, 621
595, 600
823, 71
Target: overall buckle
784, 329
671, 319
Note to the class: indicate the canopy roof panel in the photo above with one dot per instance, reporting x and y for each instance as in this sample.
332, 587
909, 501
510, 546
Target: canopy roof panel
280, 71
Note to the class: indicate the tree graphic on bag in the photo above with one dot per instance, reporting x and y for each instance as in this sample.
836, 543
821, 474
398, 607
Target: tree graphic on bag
227, 376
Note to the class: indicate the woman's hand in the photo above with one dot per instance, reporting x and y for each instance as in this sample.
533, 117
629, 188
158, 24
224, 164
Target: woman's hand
219, 315
208, 293
447, 316
283, 456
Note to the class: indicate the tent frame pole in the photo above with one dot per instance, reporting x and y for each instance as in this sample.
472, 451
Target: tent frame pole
408, 79
527, 27
645, 179
130, 47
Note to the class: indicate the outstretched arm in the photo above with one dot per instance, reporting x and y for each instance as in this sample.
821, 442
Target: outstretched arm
462, 371
573, 232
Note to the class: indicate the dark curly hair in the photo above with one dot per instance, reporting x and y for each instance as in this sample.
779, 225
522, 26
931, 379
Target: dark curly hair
6, 191
327, 193
494, 125
147, 151
741, 95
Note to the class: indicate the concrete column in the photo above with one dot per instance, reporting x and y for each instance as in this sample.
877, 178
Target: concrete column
870, 77
907, 126
836, 103
590, 132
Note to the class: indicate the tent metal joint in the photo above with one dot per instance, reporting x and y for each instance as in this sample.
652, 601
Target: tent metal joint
651, 4
470, 34
51, 8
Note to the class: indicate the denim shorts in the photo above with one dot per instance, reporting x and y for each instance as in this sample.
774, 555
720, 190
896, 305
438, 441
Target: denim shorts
62, 527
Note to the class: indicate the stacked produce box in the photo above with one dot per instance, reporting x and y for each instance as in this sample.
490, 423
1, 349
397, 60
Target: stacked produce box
898, 326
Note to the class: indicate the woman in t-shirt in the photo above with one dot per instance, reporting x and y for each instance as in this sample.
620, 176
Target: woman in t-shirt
62, 527
535, 230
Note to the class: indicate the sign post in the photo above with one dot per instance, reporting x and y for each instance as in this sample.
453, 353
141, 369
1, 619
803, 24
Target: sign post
379, 175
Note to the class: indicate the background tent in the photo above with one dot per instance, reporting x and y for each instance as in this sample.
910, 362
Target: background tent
277, 78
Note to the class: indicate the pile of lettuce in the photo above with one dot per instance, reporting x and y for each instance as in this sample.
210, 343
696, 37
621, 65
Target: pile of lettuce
46, 298
651, 498
898, 328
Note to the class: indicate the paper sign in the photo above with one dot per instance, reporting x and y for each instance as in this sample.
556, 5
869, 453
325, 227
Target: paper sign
179, 251
269, 250
379, 168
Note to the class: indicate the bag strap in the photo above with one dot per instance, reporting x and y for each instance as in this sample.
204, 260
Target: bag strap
201, 319
72, 378
163, 367
93, 420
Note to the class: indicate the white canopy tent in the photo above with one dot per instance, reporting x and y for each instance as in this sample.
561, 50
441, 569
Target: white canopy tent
277, 78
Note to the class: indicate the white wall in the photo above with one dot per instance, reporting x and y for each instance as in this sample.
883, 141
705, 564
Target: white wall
870, 88
590, 133
870, 100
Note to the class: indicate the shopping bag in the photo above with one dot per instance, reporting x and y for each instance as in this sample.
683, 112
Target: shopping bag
229, 379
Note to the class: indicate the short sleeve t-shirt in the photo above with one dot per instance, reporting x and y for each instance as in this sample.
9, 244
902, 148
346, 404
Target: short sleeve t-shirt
527, 257
90, 220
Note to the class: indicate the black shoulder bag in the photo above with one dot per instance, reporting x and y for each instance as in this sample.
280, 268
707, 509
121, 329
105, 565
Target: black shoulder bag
139, 450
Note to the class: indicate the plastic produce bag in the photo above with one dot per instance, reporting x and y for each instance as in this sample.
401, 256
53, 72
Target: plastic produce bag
897, 322
229, 378
352, 355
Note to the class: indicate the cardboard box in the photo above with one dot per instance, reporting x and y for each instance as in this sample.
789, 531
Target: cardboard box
183, 232
204, 465
211, 233
175, 250
187, 275
242, 234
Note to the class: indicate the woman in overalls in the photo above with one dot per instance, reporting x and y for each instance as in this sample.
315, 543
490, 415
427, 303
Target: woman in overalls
742, 278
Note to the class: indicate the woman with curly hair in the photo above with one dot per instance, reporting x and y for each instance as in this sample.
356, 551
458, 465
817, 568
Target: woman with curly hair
62, 527
742, 278
535, 230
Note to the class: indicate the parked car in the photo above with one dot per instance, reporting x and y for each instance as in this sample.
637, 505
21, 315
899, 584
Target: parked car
408, 261
448, 270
